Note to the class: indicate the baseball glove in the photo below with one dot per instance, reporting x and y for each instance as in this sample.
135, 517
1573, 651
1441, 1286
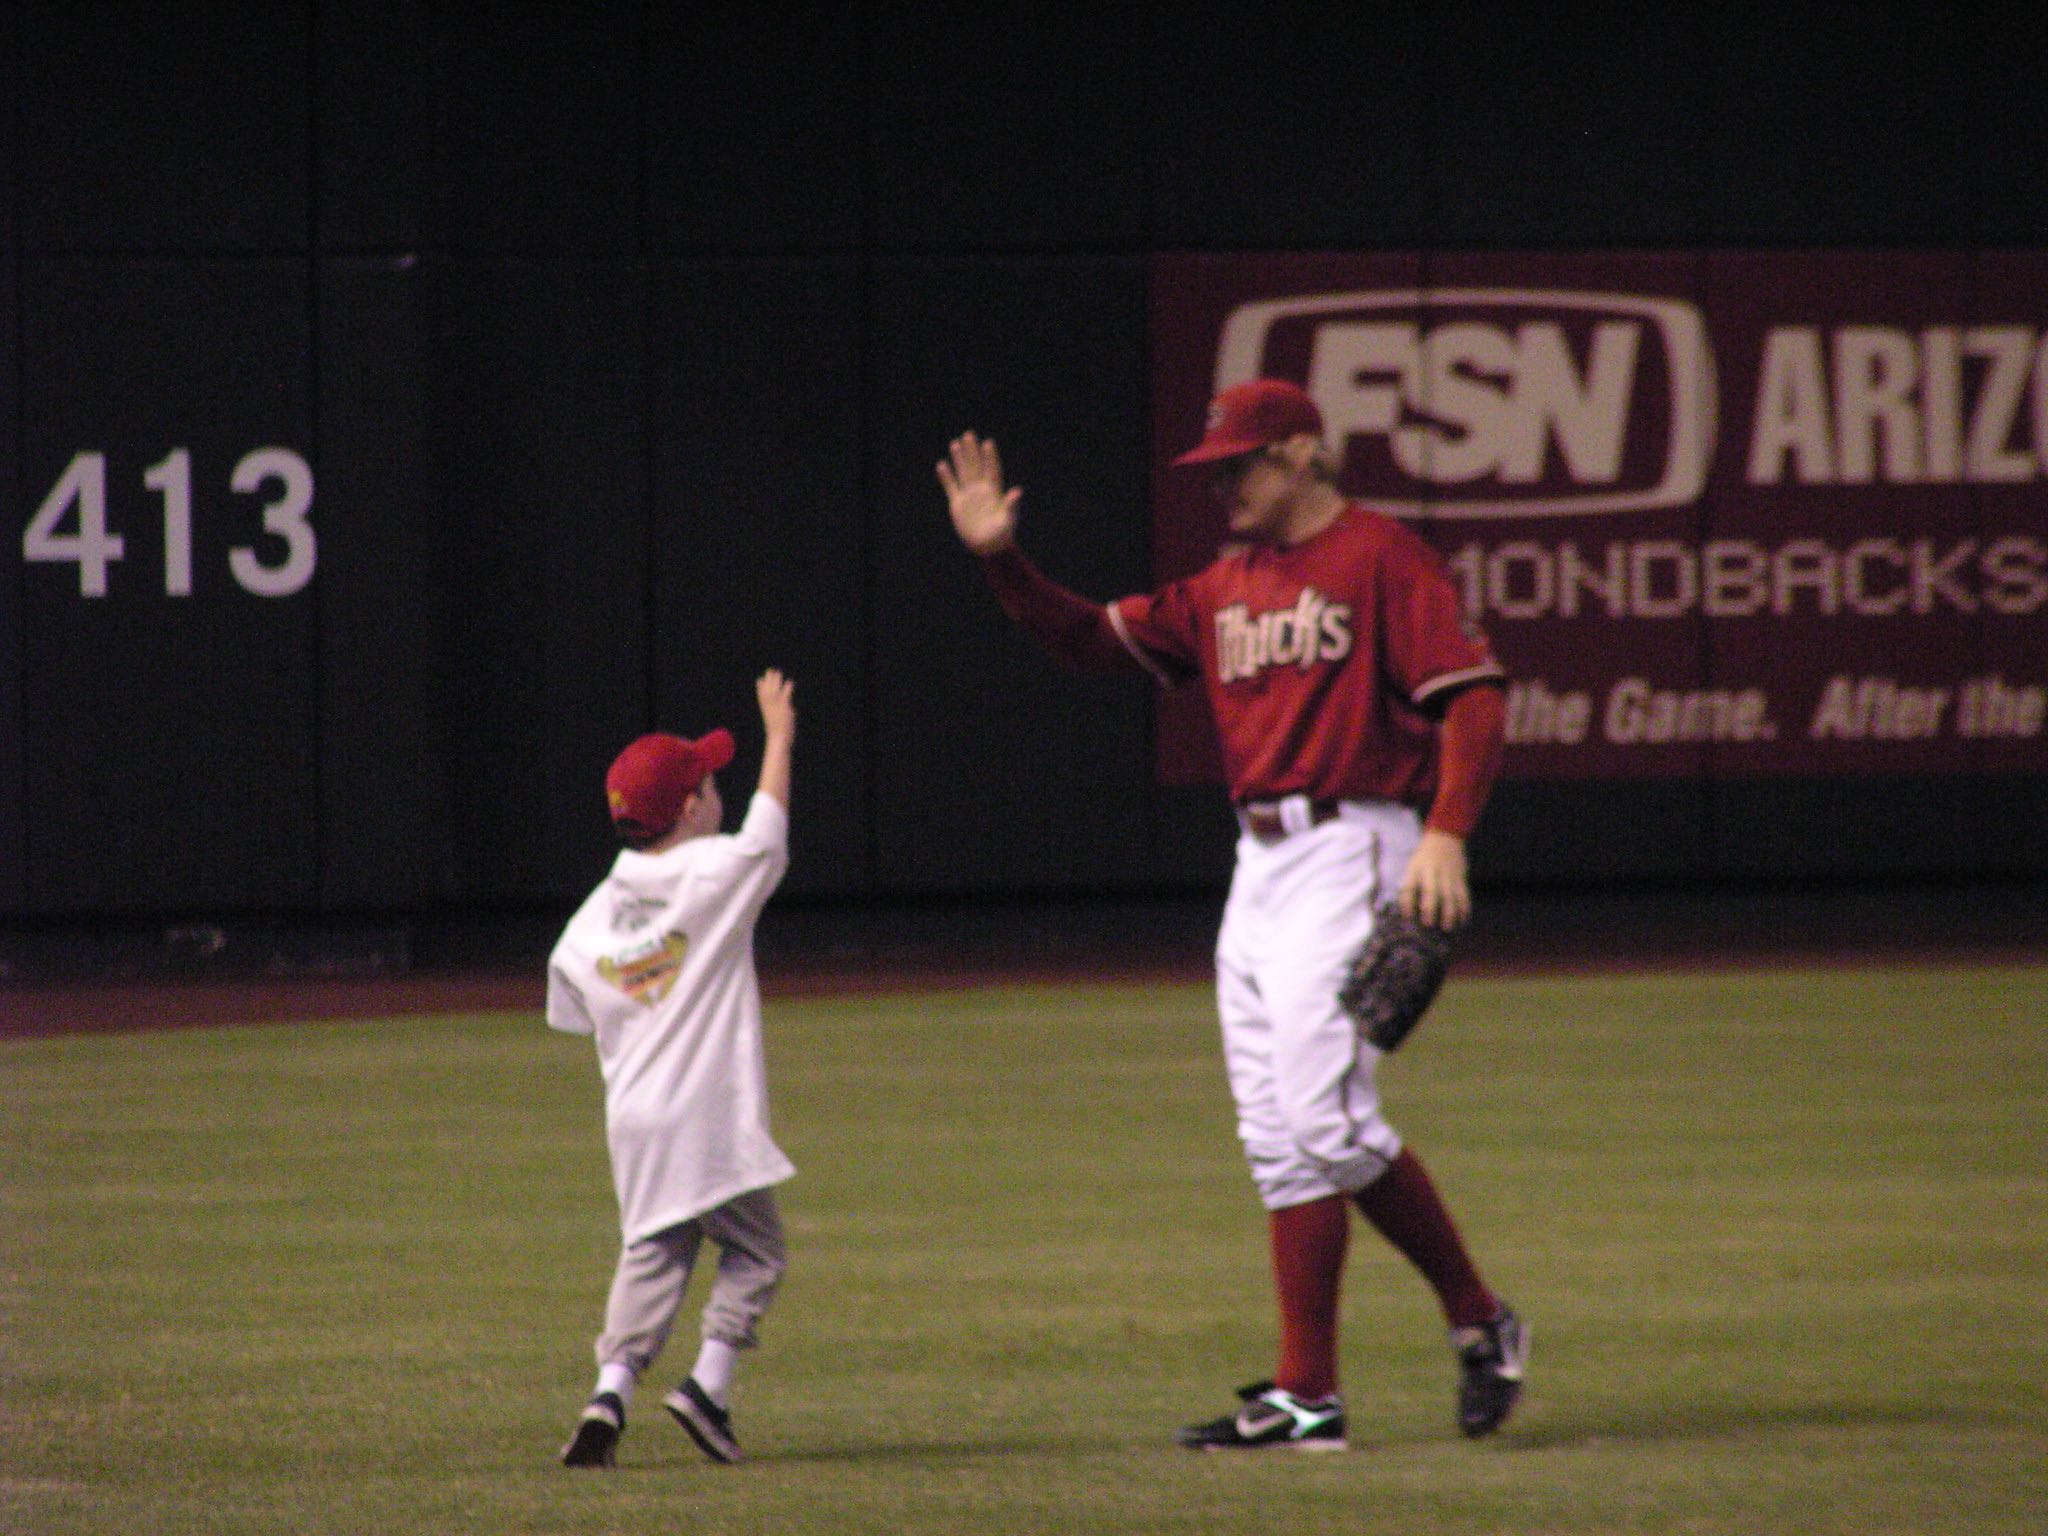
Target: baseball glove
1394, 977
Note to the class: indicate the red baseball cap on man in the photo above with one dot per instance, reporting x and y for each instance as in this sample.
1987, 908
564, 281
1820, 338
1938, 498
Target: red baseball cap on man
650, 780
1253, 415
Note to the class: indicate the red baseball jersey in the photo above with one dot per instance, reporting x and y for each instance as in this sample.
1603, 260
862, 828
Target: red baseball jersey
1323, 662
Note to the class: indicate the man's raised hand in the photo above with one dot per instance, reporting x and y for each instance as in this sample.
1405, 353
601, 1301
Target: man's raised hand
984, 514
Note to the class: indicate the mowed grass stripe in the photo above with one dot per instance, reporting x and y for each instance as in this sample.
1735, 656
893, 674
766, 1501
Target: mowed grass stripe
1783, 1239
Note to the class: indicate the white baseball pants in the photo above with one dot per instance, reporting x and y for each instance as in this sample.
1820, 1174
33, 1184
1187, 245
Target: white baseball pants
1308, 1108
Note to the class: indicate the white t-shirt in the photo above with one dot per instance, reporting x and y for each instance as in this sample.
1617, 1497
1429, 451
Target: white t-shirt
658, 964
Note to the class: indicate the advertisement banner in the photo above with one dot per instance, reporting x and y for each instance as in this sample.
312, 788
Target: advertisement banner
1724, 514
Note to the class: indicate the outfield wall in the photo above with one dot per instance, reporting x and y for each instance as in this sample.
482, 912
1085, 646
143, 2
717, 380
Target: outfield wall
397, 413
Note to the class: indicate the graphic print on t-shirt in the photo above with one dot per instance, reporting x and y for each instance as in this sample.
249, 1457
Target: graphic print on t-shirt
646, 972
631, 913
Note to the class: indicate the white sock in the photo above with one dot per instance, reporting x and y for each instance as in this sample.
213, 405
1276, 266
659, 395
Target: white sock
614, 1377
713, 1370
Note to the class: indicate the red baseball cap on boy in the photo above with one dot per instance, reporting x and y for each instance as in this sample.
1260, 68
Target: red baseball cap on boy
1254, 414
651, 779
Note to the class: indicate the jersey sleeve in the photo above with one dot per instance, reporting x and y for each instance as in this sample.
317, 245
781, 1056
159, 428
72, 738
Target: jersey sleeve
1162, 631
1474, 735
1432, 650
1075, 632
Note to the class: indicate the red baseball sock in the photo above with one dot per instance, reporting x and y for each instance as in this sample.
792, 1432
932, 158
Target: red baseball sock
1404, 1206
1308, 1272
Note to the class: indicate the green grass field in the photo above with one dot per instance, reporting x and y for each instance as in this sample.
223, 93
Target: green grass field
1783, 1240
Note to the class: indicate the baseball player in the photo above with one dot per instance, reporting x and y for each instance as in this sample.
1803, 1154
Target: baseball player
1360, 719
658, 965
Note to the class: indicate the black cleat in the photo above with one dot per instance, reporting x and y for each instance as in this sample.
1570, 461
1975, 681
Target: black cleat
709, 1425
1490, 1362
596, 1440
1271, 1420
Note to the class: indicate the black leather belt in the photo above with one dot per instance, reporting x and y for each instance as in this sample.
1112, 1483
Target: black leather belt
1262, 818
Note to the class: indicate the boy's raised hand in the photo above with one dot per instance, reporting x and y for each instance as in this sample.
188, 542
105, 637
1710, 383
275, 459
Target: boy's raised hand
777, 696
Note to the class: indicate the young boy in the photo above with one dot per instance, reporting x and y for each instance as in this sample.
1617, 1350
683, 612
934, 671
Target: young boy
658, 964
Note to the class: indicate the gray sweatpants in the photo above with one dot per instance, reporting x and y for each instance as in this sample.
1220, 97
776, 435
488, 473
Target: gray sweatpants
647, 1290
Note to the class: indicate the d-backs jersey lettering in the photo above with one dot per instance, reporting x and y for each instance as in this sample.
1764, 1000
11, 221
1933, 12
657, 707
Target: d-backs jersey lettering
1324, 663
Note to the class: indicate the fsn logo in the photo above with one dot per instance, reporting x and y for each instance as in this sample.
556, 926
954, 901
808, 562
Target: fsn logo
1495, 402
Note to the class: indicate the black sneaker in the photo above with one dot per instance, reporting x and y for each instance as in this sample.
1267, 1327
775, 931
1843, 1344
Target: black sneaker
1271, 1420
1490, 1361
709, 1425
597, 1433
